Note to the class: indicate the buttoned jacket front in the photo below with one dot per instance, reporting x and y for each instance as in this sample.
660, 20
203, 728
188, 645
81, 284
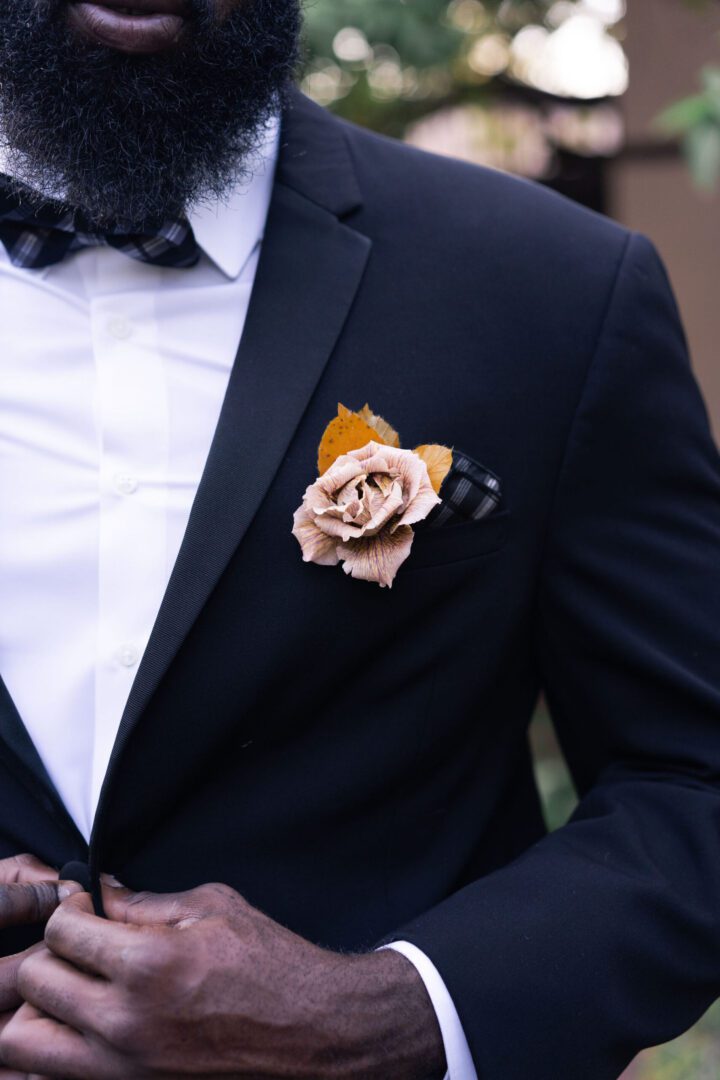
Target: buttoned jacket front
354, 760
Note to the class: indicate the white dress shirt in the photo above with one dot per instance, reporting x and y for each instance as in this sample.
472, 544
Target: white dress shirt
113, 373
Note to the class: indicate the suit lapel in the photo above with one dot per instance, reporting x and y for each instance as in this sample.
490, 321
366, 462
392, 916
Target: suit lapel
27, 764
309, 270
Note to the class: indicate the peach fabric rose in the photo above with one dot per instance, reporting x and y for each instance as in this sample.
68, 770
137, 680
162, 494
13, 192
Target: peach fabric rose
360, 511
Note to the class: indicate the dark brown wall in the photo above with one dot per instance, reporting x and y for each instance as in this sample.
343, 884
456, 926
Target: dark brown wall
667, 44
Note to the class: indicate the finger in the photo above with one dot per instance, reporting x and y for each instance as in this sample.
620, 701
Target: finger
64, 993
32, 902
76, 934
25, 869
35, 1044
12, 1074
9, 1074
143, 908
9, 966
163, 909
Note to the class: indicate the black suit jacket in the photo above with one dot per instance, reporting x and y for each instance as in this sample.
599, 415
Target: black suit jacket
353, 759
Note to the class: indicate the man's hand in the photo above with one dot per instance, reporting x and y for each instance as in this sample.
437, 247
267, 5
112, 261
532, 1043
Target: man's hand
202, 984
29, 893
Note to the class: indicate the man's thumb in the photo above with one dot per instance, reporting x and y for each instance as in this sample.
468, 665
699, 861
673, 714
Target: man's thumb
147, 908
33, 902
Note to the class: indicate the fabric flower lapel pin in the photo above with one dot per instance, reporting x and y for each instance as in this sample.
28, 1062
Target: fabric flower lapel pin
368, 495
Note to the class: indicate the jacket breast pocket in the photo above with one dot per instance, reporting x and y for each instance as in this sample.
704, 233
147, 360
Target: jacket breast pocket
456, 542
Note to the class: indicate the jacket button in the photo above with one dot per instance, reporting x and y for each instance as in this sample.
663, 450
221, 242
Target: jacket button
77, 871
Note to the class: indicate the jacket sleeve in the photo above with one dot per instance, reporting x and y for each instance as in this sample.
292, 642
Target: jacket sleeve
604, 937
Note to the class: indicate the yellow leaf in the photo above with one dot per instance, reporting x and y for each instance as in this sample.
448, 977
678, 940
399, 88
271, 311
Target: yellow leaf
438, 460
388, 434
348, 431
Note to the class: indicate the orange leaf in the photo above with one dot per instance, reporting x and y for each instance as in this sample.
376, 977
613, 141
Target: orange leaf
348, 431
388, 434
438, 460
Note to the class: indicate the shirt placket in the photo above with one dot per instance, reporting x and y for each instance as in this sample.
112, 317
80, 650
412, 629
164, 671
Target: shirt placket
133, 431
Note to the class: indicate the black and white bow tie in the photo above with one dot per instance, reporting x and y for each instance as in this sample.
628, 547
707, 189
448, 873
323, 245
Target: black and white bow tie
35, 237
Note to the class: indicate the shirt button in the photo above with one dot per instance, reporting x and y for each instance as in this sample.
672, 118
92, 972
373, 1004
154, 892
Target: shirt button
125, 484
119, 328
128, 655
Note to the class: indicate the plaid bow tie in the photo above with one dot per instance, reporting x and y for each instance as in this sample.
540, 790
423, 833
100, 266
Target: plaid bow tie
37, 237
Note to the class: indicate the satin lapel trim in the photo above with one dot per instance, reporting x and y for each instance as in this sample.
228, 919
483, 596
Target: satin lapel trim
309, 271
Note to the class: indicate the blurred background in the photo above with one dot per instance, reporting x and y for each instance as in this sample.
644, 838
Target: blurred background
615, 104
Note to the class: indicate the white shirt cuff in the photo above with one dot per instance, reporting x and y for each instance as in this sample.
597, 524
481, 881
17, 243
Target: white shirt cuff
457, 1052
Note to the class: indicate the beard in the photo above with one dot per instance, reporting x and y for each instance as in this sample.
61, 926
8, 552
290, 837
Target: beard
131, 140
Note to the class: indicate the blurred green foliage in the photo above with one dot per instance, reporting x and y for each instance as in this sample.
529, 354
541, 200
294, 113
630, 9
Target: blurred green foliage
420, 31
429, 42
424, 32
696, 120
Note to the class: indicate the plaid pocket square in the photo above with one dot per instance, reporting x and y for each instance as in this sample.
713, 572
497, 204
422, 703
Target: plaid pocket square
469, 492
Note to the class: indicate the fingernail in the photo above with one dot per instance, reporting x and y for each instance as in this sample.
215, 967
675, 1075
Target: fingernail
68, 888
111, 881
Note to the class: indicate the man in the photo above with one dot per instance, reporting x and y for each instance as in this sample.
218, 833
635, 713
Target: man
297, 767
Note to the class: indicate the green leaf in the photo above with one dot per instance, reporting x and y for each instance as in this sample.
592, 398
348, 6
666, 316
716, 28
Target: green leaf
684, 115
710, 77
703, 151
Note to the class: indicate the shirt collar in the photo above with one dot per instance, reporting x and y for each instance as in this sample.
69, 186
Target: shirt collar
229, 229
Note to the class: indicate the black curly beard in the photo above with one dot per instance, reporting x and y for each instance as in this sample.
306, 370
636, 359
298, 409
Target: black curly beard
134, 139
